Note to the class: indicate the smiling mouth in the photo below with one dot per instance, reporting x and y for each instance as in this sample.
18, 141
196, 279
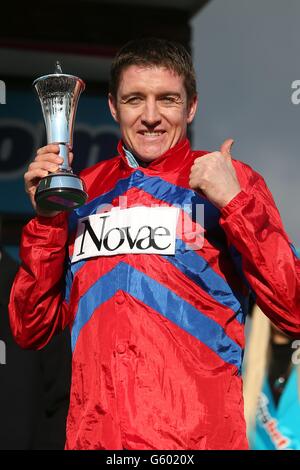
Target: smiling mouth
151, 133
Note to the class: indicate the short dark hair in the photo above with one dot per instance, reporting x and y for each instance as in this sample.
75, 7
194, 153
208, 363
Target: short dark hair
147, 52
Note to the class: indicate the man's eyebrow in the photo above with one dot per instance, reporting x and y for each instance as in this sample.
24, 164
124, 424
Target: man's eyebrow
170, 93
139, 93
132, 93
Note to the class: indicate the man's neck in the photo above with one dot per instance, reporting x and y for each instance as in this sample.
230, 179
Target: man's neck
141, 162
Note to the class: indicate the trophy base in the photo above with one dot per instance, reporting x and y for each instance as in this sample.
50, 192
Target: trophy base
60, 192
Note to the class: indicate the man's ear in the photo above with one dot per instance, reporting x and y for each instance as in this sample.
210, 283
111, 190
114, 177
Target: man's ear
113, 107
192, 109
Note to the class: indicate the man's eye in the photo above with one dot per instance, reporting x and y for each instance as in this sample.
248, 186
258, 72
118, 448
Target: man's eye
168, 99
134, 100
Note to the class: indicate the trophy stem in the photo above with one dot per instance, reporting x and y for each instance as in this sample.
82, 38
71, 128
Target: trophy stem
64, 153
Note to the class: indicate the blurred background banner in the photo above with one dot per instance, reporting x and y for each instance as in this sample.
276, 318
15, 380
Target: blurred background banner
22, 131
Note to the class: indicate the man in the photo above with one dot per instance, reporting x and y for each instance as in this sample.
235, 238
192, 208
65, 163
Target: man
157, 319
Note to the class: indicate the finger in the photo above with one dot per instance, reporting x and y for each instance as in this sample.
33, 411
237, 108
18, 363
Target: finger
50, 148
193, 181
226, 147
71, 156
30, 176
206, 156
48, 166
51, 157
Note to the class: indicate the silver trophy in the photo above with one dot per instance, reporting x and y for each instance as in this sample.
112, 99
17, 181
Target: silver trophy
59, 94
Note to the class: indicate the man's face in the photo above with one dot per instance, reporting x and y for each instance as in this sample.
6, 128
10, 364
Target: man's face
151, 109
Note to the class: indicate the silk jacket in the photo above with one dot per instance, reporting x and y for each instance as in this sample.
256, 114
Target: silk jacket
157, 339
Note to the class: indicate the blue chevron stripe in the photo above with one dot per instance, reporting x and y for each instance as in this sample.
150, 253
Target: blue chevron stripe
184, 198
156, 187
196, 268
295, 251
164, 301
71, 271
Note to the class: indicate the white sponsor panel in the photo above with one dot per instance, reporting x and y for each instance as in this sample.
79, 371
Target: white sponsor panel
150, 230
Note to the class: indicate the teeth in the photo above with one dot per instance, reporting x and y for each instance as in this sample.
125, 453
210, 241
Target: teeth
152, 134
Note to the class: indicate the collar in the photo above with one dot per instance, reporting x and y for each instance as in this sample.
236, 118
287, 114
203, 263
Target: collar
171, 160
130, 158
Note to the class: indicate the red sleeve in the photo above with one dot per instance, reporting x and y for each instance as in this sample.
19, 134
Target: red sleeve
253, 226
37, 309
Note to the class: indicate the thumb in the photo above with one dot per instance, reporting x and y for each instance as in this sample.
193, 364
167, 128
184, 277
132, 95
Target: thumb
225, 148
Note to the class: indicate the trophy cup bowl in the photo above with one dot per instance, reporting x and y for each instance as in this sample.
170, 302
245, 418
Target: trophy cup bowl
59, 94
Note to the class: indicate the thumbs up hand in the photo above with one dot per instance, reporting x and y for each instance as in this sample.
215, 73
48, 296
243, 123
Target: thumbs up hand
215, 176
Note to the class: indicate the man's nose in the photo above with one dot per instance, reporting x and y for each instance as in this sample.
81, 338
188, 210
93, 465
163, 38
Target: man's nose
151, 115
